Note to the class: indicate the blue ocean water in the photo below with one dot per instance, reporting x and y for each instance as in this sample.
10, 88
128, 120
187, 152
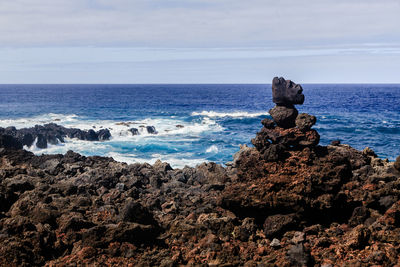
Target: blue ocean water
215, 118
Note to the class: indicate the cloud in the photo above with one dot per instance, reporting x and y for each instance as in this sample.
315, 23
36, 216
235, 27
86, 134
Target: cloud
197, 23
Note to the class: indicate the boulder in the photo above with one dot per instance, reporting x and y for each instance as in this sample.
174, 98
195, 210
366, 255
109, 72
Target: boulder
284, 116
9, 142
286, 92
305, 121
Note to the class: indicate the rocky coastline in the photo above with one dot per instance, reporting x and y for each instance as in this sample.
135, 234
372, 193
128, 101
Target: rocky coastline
287, 201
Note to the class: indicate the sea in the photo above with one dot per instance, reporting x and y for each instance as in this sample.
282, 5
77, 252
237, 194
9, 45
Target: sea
198, 122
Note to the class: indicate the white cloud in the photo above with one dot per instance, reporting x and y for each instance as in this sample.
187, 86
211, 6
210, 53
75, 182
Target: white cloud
195, 23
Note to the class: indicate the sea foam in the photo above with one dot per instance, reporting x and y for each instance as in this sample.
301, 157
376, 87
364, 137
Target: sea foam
235, 114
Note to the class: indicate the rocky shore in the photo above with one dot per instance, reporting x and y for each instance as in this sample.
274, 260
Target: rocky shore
287, 201
51, 133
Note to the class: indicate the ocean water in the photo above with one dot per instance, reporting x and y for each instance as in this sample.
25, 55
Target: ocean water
215, 118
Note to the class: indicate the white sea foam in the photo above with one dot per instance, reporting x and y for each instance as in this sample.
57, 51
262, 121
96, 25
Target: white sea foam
175, 162
62, 119
123, 146
236, 114
120, 129
212, 149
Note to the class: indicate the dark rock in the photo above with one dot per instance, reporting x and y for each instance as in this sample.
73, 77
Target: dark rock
267, 123
284, 116
104, 134
151, 129
53, 134
335, 143
135, 212
305, 121
397, 163
9, 142
91, 135
276, 225
134, 131
41, 141
286, 92
360, 214
298, 256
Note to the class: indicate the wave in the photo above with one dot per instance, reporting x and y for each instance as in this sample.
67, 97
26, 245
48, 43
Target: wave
236, 114
212, 149
120, 130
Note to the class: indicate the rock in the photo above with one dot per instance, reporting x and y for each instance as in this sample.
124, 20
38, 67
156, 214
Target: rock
104, 134
298, 237
180, 126
286, 92
41, 141
151, 130
134, 131
275, 243
298, 256
135, 212
52, 133
335, 143
276, 225
305, 121
397, 163
358, 237
360, 214
369, 152
9, 142
284, 116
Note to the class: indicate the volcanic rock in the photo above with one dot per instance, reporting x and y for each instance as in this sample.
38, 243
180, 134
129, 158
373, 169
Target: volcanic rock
397, 163
53, 134
284, 116
305, 121
9, 142
286, 92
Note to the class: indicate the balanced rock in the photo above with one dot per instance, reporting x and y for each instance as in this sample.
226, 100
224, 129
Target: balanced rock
286, 92
284, 116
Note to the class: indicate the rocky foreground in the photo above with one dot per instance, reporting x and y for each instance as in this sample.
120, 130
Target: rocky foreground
284, 202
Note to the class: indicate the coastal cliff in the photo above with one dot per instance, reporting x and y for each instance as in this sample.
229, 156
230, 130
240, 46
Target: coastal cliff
287, 201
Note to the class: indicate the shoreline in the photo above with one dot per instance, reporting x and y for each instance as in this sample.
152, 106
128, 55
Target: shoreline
299, 208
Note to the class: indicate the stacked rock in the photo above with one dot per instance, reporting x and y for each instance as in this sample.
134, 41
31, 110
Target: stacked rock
288, 130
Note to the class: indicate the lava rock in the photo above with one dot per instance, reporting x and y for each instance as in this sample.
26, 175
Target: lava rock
134, 131
286, 92
7, 141
278, 224
397, 163
151, 129
305, 121
284, 116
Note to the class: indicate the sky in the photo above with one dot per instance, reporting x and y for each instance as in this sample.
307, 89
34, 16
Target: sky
199, 41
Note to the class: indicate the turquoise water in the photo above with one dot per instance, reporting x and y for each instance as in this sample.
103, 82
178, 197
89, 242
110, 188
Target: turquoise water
215, 118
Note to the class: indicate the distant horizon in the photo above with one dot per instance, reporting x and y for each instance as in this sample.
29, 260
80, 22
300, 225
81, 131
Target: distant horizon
301, 83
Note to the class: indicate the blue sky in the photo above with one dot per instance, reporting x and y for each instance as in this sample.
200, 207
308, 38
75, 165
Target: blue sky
199, 41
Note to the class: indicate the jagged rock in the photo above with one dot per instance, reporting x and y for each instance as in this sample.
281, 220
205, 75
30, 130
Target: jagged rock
53, 134
284, 116
151, 130
134, 131
9, 142
276, 225
397, 163
298, 256
305, 121
286, 92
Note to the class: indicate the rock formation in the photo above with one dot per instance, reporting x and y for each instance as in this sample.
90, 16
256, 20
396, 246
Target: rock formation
284, 202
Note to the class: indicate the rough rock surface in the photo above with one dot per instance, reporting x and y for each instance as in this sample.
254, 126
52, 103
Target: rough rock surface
285, 202
52, 134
